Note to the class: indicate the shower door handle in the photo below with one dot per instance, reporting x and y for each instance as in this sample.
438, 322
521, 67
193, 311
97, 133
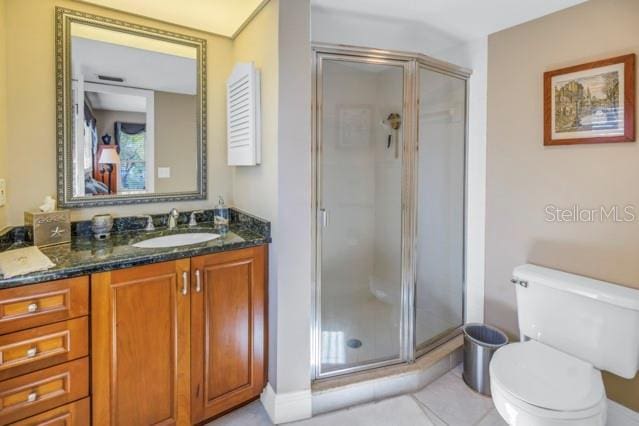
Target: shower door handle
323, 217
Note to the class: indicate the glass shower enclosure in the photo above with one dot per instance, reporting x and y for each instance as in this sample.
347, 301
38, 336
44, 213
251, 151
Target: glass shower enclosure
389, 200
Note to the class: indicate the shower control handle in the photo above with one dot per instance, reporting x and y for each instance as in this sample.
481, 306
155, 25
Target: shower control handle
323, 217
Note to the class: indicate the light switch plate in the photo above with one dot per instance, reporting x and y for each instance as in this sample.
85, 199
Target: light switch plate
164, 172
3, 192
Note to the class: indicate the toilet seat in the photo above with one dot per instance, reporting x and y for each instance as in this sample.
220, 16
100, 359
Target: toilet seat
534, 384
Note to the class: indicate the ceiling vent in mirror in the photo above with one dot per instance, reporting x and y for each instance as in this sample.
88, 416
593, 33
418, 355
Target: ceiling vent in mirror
243, 115
109, 78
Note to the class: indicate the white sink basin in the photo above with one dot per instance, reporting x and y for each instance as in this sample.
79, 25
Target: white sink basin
176, 240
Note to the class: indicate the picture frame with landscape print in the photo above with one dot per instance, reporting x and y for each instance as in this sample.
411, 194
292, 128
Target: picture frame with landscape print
590, 103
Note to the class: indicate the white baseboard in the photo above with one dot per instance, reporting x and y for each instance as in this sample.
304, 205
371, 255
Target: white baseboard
286, 407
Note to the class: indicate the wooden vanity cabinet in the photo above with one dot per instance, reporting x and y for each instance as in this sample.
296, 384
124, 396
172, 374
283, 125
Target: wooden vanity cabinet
178, 342
228, 330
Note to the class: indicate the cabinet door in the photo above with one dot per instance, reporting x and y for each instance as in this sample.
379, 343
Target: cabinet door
140, 345
228, 327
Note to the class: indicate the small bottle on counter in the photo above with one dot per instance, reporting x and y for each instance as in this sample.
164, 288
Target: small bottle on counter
221, 217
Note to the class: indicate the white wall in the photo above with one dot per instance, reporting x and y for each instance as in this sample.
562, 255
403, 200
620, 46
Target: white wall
294, 201
474, 55
277, 40
340, 27
328, 26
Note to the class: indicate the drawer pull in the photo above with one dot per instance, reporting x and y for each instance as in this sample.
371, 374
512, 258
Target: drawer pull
32, 352
32, 397
198, 281
185, 283
33, 307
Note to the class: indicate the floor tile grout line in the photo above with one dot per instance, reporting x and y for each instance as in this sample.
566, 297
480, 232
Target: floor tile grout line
481, 419
424, 407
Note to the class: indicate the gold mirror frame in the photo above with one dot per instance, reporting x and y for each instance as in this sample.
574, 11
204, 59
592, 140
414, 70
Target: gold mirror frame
64, 107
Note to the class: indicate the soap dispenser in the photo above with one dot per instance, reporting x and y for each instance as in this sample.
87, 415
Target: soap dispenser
221, 217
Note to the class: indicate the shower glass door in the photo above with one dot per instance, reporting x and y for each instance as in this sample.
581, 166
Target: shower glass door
439, 293
359, 206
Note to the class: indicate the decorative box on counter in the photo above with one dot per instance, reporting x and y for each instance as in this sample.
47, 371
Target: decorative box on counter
48, 228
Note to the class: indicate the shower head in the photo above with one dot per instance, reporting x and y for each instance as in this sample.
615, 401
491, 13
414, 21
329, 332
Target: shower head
393, 121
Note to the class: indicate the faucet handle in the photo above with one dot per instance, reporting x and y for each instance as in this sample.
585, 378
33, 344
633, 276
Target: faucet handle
149, 222
193, 220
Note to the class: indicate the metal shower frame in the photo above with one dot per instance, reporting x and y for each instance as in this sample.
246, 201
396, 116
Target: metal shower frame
411, 64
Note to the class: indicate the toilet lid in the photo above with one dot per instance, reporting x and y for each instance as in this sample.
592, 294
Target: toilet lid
545, 377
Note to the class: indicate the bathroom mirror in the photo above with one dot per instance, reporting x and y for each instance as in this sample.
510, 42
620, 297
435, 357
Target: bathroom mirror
131, 113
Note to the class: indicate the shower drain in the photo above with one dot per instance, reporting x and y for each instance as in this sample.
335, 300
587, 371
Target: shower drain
354, 343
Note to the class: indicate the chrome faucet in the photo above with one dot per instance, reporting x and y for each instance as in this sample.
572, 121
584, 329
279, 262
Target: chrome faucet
149, 222
173, 217
193, 220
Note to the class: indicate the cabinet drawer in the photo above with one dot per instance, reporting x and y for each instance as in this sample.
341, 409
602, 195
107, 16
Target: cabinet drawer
43, 390
40, 304
30, 350
74, 414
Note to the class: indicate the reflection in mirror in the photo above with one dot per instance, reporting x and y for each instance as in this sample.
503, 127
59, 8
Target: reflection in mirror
134, 114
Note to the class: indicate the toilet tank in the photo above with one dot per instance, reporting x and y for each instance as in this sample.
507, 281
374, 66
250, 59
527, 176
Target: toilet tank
593, 320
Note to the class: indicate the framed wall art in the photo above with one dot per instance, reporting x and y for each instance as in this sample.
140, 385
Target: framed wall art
590, 103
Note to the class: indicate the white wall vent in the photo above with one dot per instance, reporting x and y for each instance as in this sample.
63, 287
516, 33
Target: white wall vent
243, 115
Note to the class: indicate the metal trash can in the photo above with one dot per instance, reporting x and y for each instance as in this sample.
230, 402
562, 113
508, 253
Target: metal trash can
480, 343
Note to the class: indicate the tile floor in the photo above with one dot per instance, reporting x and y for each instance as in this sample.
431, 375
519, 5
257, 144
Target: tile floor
447, 401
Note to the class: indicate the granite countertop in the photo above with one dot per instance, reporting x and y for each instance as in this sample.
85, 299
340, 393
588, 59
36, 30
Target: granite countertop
86, 255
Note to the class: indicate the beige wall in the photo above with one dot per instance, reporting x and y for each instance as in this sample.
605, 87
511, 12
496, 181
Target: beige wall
255, 187
31, 95
176, 141
523, 176
3, 104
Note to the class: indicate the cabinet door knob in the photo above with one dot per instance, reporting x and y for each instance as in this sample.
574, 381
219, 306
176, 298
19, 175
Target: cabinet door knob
198, 281
32, 352
185, 283
32, 397
32, 307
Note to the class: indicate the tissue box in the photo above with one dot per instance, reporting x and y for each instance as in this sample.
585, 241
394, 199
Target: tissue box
48, 228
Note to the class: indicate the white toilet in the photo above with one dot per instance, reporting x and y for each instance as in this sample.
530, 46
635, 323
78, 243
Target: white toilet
572, 327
